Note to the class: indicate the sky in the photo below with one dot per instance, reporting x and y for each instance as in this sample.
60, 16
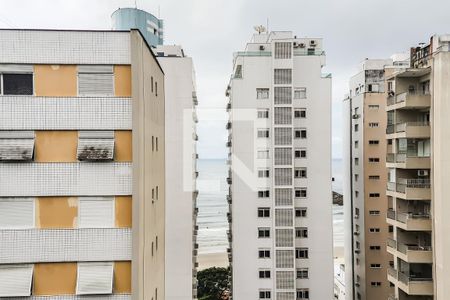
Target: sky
211, 30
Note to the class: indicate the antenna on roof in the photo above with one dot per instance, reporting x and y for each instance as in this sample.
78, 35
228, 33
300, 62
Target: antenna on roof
267, 25
260, 29
135, 3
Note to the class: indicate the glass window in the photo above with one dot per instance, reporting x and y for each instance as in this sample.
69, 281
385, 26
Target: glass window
17, 84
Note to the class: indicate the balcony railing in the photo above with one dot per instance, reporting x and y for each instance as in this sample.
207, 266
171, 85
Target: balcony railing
403, 248
402, 97
402, 184
392, 272
401, 127
404, 217
407, 278
392, 243
391, 214
306, 52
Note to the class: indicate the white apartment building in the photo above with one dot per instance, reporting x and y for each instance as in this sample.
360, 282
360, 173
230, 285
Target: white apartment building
181, 140
280, 176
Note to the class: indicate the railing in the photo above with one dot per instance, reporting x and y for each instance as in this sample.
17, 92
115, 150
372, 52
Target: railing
403, 248
402, 157
392, 243
392, 186
392, 272
401, 127
402, 97
404, 217
391, 214
306, 52
412, 183
407, 278
326, 75
253, 53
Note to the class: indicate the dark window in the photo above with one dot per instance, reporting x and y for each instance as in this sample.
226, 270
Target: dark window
264, 274
300, 153
300, 212
17, 84
264, 253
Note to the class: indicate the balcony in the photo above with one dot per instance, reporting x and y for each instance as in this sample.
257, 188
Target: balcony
409, 100
409, 221
408, 130
410, 189
411, 253
412, 284
407, 161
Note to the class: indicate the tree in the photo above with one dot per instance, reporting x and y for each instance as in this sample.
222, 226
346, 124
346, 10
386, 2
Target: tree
213, 283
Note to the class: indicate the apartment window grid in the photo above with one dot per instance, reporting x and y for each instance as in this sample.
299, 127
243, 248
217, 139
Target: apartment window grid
283, 116
264, 212
263, 133
265, 294
283, 136
264, 274
300, 133
283, 196
264, 173
302, 273
302, 294
283, 176
301, 192
263, 194
282, 95
284, 238
282, 76
301, 232
300, 153
300, 113
263, 232
284, 217
283, 156
262, 93
285, 280
300, 173
301, 212
283, 50
263, 113
301, 253
264, 253
284, 259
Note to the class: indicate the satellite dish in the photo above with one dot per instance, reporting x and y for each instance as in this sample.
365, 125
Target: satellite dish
260, 29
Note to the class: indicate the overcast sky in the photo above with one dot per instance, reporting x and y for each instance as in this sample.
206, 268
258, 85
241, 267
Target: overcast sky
211, 30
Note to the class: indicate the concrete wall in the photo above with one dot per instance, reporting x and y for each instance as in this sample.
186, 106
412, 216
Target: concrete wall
148, 269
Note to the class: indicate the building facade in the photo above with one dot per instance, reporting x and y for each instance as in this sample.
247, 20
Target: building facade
151, 27
280, 170
82, 166
181, 172
366, 231
418, 139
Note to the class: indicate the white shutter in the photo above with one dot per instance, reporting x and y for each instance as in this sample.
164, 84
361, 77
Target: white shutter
94, 278
95, 80
96, 212
95, 145
16, 213
16, 145
7, 68
15, 280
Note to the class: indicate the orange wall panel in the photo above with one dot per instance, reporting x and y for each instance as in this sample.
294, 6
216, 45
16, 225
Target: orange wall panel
55, 80
56, 146
54, 279
123, 146
56, 212
123, 211
122, 277
122, 81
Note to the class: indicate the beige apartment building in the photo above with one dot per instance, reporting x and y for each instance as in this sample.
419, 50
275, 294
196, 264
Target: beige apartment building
365, 183
418, 136
82, 166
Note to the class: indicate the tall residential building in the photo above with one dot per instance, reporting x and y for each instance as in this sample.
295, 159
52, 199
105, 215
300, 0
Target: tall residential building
418, 138
181, 172
280, 157
82, 165
366, 231
152, 28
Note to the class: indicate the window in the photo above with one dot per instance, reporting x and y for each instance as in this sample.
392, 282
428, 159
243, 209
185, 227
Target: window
374, 159
302, 273
15, 280
265, 295
16, 145
238, 71
16, 213
375, 248
301, 253
374, 106
374, 177
264, 253
282, 76
302, 294
264, 274
300, 113
300, 93
301, 232
263, 173
94, 278
263, 194
374, 142
356, 127
356, 194
300, 133
374, 212
300, 153
263, 154
356, 144
96, 212
373, 230
263, 233
375, 283
263, 114
356, 177
300, 173
264, 212
282, 95
373, 124
263, 133
374, 195
95, 80
375, 266
16, 84
283, 50
262, 93
151, 82
356, 161
356, 212
300, 193
95, 145
300, 212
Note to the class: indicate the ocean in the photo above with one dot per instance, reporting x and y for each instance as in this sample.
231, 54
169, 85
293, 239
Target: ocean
213, 206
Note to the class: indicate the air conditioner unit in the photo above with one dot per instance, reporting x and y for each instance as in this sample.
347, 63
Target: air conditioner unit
422, 173
356, 216
295, 44
357, 284
357, 251
355, 116
302, 45
312, 43
356, 233
261, 47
